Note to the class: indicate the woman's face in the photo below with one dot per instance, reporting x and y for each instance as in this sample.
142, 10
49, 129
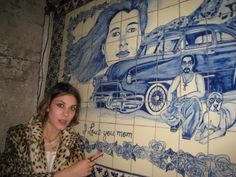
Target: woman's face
61, 111
124, 37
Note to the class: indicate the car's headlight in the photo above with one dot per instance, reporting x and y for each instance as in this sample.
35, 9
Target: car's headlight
123, 95
129, 79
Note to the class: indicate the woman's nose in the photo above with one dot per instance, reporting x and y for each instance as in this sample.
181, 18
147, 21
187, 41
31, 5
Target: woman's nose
123, 43
66, 112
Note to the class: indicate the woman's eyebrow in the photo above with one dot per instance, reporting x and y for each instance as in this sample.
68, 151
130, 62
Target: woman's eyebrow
133, 23
60, 101
116, 28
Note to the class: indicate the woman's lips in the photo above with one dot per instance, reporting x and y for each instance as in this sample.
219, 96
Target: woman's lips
62, 121
122, 54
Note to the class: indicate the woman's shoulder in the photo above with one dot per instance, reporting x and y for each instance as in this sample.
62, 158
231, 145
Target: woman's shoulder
18, 129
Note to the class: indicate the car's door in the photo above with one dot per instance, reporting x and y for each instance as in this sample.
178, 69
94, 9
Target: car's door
225, 49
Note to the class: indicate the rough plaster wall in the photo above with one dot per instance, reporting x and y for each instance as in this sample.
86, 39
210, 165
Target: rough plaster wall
20, 46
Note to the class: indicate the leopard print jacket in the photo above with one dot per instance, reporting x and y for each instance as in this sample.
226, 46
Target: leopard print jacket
24, 153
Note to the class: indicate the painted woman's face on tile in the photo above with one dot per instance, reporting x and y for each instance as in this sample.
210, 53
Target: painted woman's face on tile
123, 38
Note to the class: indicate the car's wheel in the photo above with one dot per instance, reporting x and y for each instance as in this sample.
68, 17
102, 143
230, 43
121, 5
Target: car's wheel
155, 99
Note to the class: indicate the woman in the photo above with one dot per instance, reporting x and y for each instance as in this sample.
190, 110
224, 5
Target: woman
87, 57
47, 146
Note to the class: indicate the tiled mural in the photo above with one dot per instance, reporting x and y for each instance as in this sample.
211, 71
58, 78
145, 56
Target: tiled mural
158, 84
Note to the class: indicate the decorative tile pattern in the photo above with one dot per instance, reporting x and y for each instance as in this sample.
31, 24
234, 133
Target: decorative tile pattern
158, 89
100, 170
165, 158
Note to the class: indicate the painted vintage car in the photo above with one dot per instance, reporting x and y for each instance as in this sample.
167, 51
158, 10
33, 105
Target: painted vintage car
147, 77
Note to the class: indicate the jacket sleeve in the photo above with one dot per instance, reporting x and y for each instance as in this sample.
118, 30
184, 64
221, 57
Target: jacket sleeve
12, 162
9, 161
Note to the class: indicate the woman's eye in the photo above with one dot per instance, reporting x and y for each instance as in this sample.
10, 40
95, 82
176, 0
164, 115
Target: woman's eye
131, 30
115, 33
60, 105
73, 108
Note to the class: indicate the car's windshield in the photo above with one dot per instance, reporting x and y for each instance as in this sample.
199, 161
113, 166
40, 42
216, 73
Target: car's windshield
167, 45
198, 39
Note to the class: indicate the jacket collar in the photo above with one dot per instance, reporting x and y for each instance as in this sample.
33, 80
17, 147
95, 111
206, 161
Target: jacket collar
37, 150
63, 150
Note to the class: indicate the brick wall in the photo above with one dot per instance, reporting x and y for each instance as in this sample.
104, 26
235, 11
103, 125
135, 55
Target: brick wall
20, 47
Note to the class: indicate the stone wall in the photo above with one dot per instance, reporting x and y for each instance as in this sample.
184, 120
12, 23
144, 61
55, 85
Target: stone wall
20, 47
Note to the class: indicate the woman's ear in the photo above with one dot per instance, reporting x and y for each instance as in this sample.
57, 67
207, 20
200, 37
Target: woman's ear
47, 109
